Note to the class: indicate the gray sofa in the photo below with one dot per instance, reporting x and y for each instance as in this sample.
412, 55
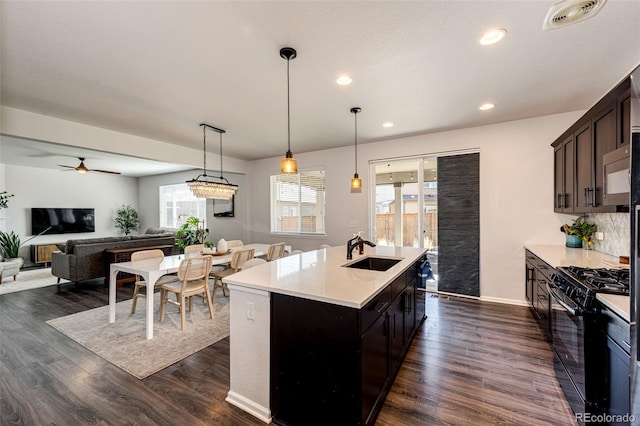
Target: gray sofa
85, 259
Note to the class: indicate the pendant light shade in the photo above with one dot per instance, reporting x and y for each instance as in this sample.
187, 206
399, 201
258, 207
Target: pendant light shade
201, 186
288, 163
356, 182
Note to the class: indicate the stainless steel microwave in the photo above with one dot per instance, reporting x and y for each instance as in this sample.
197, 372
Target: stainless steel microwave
617, 177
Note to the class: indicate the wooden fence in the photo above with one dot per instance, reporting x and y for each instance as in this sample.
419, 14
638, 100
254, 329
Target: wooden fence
385, 229
290, 224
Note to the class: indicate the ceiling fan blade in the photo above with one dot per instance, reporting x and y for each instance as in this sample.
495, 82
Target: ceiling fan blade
68, 167
104, 171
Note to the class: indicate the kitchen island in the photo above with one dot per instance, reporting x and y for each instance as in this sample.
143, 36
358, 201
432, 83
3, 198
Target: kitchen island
315, 342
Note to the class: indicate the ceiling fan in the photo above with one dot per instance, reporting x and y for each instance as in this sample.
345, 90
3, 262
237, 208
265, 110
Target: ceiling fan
81, 168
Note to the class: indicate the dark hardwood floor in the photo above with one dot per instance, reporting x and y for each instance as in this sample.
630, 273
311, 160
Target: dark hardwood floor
471, 363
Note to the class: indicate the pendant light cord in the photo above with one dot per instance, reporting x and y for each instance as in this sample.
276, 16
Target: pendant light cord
356, 144
288, 111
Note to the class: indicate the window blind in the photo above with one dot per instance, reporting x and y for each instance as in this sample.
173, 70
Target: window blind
297, 203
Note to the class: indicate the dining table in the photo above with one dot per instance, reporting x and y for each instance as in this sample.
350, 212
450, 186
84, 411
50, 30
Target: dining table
152, 269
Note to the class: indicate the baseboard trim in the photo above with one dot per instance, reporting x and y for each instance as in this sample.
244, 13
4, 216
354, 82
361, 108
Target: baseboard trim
487, 299
251, 407
505, 301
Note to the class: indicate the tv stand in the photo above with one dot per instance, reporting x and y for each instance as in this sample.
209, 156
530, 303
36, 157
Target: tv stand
41, 253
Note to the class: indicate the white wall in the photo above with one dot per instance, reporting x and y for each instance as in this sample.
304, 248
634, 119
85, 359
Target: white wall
516, 193
35, 187
229, 228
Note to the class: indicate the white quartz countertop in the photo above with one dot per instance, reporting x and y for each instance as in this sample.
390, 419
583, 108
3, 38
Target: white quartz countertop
618, 304
556, 255
320, 275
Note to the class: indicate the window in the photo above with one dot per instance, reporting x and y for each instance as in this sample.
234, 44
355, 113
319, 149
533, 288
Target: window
177, 203
297, 203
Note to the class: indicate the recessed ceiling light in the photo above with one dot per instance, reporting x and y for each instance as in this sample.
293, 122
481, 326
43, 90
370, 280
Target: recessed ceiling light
493, 36
343, 80
387, 124
487, 106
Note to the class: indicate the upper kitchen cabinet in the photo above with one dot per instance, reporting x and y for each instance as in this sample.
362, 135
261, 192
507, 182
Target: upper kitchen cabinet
623, 104
578, 153
564, 157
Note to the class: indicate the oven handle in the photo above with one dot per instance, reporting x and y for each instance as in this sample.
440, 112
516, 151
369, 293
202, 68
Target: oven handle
575, 312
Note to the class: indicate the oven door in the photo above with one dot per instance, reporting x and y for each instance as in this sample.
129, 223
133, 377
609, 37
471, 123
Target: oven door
567, 329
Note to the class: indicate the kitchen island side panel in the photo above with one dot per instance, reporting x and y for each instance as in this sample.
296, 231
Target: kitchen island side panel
250, 325
314, 354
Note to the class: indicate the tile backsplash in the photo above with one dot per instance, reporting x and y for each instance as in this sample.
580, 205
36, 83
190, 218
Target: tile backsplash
617, 233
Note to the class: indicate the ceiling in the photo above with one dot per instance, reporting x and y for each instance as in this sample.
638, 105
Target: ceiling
156, 69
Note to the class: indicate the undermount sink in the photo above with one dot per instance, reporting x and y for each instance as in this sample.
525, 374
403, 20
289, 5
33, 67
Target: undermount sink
374, 263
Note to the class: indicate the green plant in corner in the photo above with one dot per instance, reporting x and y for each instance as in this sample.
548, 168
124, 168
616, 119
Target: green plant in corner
192, 232
10, 243
127, 219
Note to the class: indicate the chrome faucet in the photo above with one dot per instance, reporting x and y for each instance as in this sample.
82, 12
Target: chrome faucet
358, 242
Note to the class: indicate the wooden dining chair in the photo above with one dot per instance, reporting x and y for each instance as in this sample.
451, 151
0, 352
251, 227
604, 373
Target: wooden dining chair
234, 244
149, 255
256, 261
193, 250
275, 251
237, 260
193, 280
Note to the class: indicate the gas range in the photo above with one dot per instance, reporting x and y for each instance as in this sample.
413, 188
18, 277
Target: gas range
582, 284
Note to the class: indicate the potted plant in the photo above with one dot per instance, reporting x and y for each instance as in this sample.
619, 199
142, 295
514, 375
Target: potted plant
4, 199
583, 230
10, 244
127, 219
192, 232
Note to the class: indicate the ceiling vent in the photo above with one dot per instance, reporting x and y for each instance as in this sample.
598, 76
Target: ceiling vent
569, 12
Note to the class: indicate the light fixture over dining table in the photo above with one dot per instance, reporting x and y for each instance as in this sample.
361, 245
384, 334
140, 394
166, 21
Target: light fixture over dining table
201, 186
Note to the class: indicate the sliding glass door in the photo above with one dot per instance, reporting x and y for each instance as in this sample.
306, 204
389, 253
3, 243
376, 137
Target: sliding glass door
406, 204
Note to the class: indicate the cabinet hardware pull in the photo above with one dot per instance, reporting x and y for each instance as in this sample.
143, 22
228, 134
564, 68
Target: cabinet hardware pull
380, 306
586, 197
564, 204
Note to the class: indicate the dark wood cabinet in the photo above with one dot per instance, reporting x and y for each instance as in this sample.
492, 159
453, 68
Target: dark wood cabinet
623, 125
375, 365
538, 273
332, 364
614, 341
604, 142
583, 168
396, 331
564, 158
579, 152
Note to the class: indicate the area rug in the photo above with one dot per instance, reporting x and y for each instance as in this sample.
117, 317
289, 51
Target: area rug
27, 280
123, 343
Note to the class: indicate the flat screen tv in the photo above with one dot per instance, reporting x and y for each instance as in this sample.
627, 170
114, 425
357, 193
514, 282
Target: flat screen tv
62, 221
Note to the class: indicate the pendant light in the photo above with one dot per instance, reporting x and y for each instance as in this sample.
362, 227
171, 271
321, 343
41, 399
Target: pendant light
288, 163
204, 188
356, 182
